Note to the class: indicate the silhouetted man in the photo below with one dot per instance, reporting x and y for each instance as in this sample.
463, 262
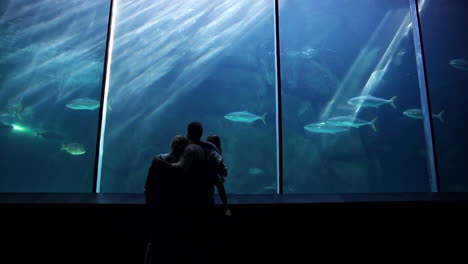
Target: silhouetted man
199, 185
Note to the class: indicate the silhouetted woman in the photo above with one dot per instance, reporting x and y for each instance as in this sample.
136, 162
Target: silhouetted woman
164, 194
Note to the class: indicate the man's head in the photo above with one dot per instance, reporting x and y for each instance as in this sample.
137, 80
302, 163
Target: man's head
194, 131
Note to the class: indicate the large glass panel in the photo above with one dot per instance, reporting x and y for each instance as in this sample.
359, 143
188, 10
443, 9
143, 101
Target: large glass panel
51, 64
444, 25
351, 99
178, 61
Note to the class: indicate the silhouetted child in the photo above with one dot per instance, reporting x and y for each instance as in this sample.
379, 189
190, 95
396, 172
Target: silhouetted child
221, 175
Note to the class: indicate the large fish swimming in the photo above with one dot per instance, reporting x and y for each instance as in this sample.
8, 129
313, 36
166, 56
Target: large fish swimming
73, 148
351, 121
371, 101
417, 114
325, 128
84, 103
244, 116
460, 64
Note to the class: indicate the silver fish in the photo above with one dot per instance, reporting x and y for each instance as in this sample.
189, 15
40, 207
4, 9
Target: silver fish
351, 121
325, 128
460, 64
417, 114
371, 101
244, 116
83, 104
255, 171
73, 148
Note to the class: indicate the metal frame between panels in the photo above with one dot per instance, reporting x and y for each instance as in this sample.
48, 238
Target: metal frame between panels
103, 103
279, 121
425, 97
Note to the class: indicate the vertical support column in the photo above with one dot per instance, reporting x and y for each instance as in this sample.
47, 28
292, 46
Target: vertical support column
104, 93
425, 97
279, 123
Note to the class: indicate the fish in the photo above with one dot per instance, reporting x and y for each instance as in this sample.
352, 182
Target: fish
7, 119
49, 135
255, 171
417, 114
3, 114
244, 116
73, 148
270, 187
351, 121
325, 128
371, 101
306, 52
460, 64
84, 103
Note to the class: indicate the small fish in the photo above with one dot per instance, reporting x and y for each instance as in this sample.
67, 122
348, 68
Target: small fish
460, 64
270, 187
325, 128
417, 114
371, 101
7, 119
244, 116
49, 135
255, 171
83, 104
4, 114
74, 148
351, 121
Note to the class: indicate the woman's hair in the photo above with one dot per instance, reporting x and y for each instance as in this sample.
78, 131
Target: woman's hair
178, 144
215, 140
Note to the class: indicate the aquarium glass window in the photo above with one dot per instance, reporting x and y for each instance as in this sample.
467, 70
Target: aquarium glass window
174, 62
443, 28
51, 64
351, 102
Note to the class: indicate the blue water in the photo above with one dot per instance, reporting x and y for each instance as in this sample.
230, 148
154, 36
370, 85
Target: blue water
174, 62
52, 52
444, 42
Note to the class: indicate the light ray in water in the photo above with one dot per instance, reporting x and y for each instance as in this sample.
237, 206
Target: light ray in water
182, 44
69, 54
365, 60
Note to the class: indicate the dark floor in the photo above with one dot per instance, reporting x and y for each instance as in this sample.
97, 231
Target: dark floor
111, 232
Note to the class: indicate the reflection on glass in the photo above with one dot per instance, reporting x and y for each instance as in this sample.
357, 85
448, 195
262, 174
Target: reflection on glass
51, 64
350, 90
175, 62
443, 28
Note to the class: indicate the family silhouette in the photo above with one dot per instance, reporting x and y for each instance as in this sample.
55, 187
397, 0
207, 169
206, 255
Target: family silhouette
179, 192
